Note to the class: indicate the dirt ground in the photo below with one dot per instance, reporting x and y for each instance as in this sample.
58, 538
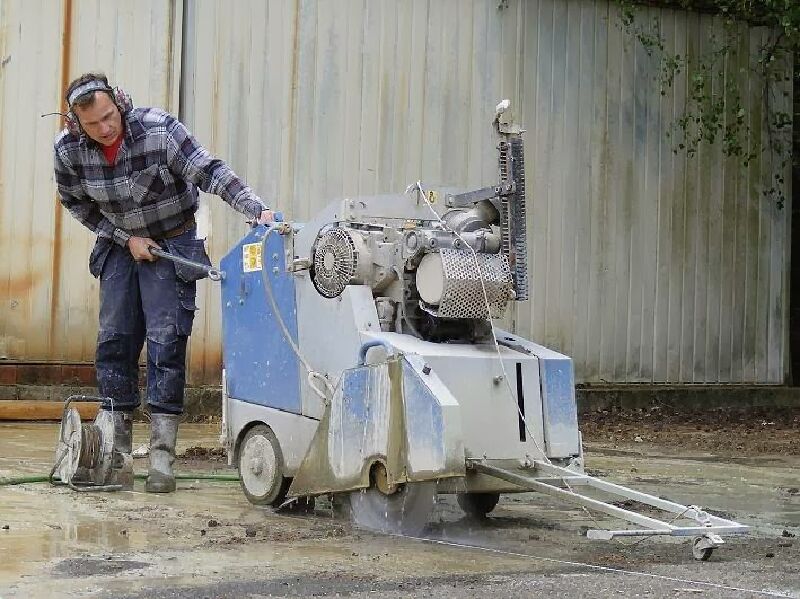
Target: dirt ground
206, 540
726, 432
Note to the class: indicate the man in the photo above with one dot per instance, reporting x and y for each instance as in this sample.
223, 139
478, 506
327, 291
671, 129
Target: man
130, 175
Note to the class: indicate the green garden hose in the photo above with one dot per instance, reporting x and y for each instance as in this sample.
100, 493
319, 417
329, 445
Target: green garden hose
23, 480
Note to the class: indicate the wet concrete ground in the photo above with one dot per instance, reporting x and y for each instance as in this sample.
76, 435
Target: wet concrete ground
207, 541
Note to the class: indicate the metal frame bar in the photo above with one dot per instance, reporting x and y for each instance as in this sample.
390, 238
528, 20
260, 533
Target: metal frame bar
557, 478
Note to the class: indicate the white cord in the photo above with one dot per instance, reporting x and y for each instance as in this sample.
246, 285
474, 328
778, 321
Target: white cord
418, 186
545, 458
312, 374
564, 562
594, 566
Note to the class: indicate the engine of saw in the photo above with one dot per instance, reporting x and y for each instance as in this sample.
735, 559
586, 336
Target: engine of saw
437, 281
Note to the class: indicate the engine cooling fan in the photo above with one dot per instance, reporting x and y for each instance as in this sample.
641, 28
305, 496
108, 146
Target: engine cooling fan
336, 261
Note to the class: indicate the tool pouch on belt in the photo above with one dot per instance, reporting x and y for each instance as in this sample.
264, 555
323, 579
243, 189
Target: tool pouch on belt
191, 249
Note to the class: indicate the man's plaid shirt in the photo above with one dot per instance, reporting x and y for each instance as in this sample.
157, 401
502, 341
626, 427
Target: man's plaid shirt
151, 188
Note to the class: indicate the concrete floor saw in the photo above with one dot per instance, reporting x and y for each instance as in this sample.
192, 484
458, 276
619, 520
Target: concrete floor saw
362, 361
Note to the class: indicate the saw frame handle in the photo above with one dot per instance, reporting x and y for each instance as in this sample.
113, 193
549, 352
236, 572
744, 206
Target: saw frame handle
277, 217
213, 273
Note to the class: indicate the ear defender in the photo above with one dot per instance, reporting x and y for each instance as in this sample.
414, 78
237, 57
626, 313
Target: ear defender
120, 97
72, 124
123, 100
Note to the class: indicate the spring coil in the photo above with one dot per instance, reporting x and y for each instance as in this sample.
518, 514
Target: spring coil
90, 446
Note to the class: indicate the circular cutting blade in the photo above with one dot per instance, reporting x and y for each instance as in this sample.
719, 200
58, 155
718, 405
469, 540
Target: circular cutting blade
406, 511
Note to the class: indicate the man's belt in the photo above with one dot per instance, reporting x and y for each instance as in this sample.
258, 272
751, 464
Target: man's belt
180, 229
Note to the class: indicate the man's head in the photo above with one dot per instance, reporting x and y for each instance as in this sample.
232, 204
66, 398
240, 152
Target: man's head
91, 100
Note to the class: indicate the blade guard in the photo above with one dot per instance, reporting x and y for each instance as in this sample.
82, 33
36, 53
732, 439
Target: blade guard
396, 414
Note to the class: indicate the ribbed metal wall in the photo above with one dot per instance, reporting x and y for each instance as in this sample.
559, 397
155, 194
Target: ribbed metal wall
48, 300
646, 266
311, 101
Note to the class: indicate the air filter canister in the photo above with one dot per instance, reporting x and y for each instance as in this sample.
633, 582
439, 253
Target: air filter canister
449, 284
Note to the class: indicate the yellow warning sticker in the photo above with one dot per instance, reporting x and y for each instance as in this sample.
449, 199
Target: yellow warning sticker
251, 257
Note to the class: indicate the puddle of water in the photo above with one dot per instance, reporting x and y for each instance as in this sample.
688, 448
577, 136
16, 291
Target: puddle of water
46, 523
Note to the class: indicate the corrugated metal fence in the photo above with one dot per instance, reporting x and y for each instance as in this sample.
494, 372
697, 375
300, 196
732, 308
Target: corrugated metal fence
646, 266
48, 309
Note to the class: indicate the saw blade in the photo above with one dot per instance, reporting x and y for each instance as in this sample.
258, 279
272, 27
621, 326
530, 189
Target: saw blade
406, 511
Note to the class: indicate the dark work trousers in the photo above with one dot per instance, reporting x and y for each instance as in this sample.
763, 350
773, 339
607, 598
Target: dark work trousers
153, 301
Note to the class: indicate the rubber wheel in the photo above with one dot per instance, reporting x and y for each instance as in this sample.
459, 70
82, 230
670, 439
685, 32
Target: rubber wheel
477, 505
261, 467
406, 511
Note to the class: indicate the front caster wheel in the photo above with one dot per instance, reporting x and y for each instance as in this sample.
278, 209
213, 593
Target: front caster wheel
477, 505
261, 467
701, 550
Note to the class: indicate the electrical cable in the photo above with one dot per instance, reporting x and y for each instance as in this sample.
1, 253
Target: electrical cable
545, 458
418, 186
595, 566
312, 374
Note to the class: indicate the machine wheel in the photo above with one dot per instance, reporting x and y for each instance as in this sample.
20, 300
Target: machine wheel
261, 467
405, 511
477, 505
701, 553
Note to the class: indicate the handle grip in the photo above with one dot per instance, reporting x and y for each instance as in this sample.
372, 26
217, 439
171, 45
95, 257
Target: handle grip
213, 273
277, 217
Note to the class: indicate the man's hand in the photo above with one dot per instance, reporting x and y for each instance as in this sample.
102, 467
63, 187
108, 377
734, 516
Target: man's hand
138, 248
267, 216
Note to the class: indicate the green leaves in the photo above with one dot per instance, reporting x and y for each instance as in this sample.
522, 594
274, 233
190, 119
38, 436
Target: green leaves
718, 78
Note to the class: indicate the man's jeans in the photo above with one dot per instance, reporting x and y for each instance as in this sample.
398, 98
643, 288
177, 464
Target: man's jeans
145, 300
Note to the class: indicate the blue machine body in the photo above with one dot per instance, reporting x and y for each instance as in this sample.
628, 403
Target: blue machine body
260, 365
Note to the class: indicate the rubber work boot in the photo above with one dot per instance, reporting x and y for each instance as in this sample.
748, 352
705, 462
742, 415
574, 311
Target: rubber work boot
122, 473
163, 434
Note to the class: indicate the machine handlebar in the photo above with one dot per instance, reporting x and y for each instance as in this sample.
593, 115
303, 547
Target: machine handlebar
213, 273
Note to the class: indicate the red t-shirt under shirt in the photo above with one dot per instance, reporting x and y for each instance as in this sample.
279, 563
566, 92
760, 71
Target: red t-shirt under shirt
110, 152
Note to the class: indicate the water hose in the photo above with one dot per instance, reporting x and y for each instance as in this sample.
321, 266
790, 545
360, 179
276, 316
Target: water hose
37, 478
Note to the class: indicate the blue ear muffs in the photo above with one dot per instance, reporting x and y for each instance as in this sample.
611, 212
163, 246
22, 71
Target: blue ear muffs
119, 96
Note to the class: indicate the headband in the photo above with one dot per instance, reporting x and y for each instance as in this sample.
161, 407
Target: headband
85, 88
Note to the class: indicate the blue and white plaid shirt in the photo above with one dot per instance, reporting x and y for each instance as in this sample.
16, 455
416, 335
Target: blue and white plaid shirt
151, 187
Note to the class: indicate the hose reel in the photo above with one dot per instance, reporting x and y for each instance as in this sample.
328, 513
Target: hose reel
85, 457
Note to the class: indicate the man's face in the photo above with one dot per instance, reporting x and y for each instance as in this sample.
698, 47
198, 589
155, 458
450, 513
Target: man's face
101, 120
